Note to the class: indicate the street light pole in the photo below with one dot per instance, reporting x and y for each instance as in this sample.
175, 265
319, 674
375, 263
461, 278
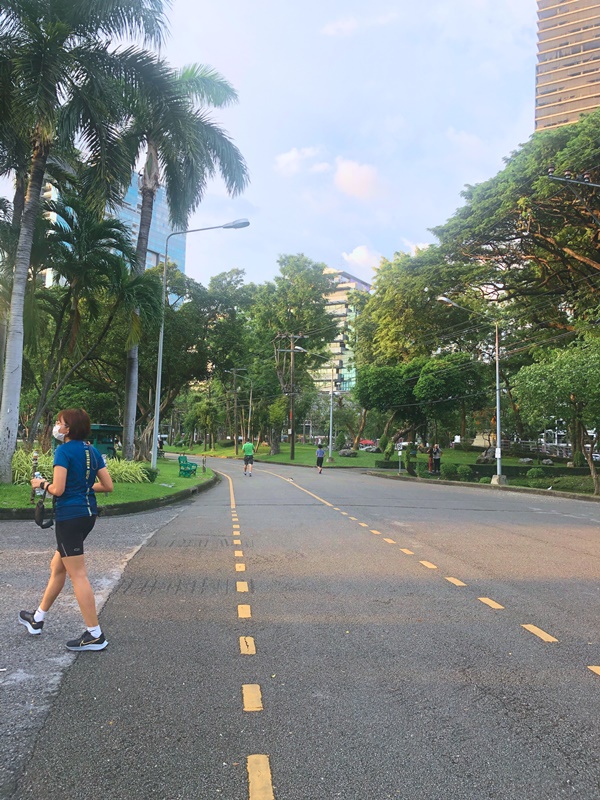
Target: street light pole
238, 223
499, 478
330, 459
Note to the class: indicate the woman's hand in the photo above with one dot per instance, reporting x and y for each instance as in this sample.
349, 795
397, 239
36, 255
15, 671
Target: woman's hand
37, 482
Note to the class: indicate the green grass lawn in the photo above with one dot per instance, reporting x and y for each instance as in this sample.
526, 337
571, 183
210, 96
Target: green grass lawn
18, 496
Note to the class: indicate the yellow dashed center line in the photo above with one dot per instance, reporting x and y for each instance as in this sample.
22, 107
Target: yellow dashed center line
456, 582
428, 564
595, 669
244, 612
408, 552
335, 509
260, 784
377, 533
238, 553
252, 697
247, 646
390, 541
545, 637
363, 524
240, 568
344, 513
490, 603
237, 541
353, 518
236, 527
241, 586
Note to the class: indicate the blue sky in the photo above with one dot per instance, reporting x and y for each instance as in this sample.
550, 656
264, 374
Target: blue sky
360, 122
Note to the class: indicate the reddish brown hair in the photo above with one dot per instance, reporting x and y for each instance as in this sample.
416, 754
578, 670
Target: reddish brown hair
78, 422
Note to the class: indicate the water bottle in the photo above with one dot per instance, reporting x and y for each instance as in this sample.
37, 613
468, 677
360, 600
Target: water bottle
38, 491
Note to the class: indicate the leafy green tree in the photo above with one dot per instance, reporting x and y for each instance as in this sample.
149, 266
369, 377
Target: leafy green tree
60, 73
564, 384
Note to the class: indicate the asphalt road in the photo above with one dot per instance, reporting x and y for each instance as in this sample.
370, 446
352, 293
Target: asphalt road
297, 636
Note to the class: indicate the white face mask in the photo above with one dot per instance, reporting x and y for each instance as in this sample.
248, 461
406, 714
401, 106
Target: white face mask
57, 434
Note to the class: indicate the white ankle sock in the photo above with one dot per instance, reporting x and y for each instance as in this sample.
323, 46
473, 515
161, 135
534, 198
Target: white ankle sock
96, 631
39, 615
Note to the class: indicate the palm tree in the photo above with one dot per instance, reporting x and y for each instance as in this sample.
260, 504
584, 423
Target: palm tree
63, 71
183, 147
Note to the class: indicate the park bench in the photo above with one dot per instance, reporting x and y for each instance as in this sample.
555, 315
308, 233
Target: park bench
186, 468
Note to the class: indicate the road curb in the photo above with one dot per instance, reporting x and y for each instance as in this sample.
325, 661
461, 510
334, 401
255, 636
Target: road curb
589, 498
8, 514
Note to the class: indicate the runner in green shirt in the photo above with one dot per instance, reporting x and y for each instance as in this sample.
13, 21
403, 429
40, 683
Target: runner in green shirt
248, 450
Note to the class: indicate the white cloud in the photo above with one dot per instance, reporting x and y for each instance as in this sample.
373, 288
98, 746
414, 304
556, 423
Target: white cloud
321, 166
414, 247
362, 256
356, 180
346, 26
288, 164
341, 27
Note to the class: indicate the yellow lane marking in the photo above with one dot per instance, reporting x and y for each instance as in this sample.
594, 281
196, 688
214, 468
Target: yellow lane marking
335, 509
237, 541
238, 553
363, 524
236, 527
390, 541
428, 564
344, 513
241, 586
259, 778
545, 637
231, 494
244, 612
252, 697
456, 582
595, 669
247, 646
353, 518
240, 568
377, 533
296, 486
408, 552
490, 603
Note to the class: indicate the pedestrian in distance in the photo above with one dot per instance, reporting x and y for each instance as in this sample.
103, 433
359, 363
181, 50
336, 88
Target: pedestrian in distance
437, 455
79, 474
248, 451
320, 457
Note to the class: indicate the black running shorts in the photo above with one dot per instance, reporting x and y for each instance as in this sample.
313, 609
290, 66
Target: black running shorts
71, 534
319, 461
248, 459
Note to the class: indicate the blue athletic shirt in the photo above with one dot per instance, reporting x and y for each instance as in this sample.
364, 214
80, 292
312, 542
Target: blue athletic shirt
82, 462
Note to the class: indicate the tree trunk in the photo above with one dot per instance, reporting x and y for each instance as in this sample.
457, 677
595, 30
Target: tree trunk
275, 449
150, 184
18, 200
13, 366
3, 332
388, 424
361, 428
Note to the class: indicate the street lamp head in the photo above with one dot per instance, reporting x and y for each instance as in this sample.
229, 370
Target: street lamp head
237, 223
443, 299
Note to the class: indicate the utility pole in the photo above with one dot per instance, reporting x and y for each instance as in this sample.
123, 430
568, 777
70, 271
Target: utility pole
250, 410
234, 372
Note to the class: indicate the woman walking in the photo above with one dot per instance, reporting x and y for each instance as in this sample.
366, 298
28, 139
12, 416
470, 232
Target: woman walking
76, 466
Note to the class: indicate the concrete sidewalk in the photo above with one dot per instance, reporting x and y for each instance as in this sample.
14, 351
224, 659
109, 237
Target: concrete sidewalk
32, 667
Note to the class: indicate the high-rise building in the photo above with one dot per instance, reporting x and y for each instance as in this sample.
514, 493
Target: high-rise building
159, 229
568, 68
339, 304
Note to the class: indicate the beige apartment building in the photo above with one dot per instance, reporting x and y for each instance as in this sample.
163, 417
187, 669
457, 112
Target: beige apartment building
340, 305
568, 68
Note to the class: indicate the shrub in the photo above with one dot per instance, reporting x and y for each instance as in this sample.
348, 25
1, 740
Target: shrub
422, 470
150, 472
579, 459
127, 471
340, 440
464, 472
383, 442
536, 472
485, 480
226, 443
449, 472
22, 469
